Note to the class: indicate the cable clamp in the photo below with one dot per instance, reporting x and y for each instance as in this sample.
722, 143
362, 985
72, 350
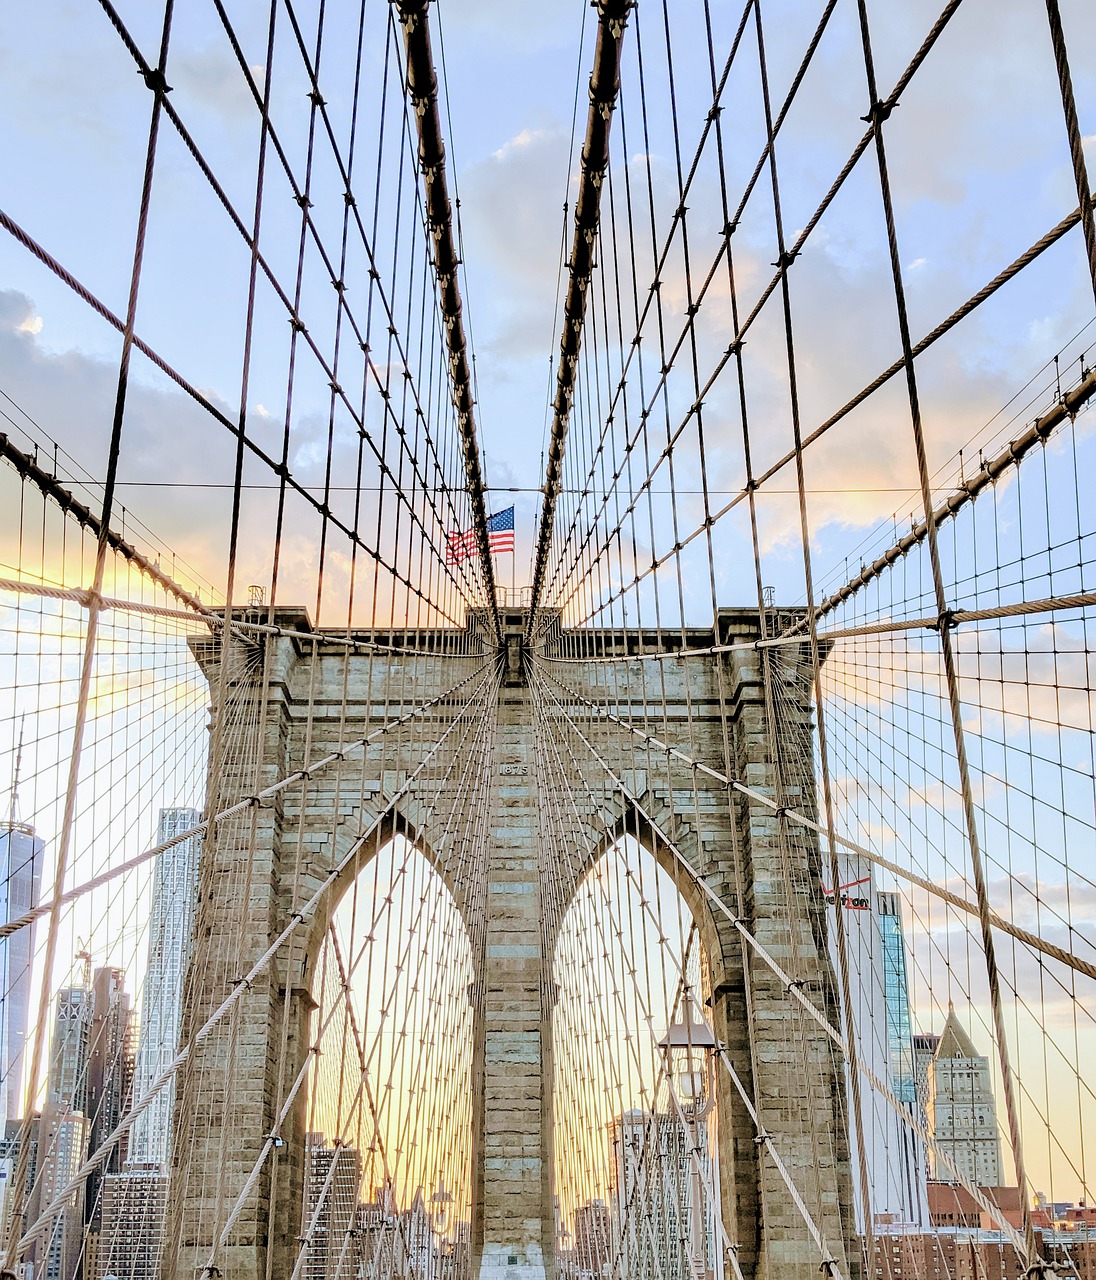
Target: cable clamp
317, 99
786, 259
154, 79
736, 347
797, 984
945, 622
879, 112
304, 201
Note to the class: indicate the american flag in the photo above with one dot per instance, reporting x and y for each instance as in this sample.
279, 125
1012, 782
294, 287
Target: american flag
500, 538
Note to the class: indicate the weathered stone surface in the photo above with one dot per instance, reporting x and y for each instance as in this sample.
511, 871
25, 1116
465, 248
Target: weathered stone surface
259, 869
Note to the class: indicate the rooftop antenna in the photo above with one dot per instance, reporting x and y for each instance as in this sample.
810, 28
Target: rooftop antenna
15, 774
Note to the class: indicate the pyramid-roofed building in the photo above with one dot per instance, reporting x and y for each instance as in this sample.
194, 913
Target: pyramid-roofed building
963, 1110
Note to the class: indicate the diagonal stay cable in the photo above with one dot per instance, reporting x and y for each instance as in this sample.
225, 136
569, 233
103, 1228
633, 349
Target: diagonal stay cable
472, 760
260, 797
1003, 277
774, 282
794, 990
792, 815
242, 984
241, 627
261, 260
678, 218
28, 242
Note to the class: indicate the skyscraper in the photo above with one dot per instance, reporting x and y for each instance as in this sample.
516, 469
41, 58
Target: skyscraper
963, 1110
134, 1209
21, 858
61, 1136
332, 1189
592, 1250
134, 1201
109, 1080
171, 923
880, 1004
924, 1050
62, 1146
897, 991
67, 1083
901, 1058
651, 1164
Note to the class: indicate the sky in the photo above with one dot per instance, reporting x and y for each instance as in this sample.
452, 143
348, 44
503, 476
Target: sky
980, 170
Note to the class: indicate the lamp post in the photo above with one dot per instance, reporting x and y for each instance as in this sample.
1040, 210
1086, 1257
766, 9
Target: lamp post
688, 1054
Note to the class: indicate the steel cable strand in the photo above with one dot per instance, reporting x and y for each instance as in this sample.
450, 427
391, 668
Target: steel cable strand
207, 404
1003, 277
1031, 1252
763, 1137
351, 209
156, 83
1073, 133
793, 989
793, 815
474, 759
252, 801
735, 348
604, 90
301, 197
713, 116
242, 985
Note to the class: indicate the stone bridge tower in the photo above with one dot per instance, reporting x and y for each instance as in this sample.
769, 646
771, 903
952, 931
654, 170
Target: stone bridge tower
293, 698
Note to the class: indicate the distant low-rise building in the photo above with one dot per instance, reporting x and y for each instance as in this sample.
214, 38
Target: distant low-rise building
951, 1205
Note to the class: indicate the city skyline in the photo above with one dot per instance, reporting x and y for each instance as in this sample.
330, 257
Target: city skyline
547, 602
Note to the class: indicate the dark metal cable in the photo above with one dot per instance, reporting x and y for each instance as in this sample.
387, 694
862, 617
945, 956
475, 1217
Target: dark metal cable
878, 115
743, 328
1073, 130
422, 90
604, 89
960, 313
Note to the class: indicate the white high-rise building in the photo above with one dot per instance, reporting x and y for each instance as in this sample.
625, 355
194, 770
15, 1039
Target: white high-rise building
894, 1156
170, 929
963, 1110
21, 858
